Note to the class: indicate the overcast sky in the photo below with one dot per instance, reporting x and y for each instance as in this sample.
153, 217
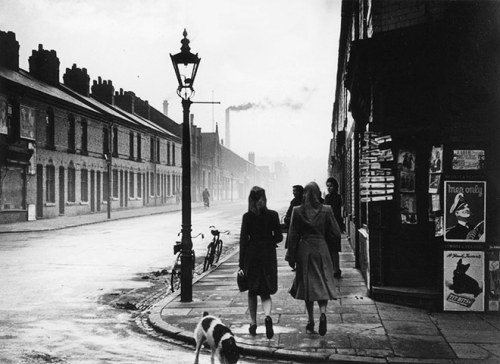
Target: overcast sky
274, 59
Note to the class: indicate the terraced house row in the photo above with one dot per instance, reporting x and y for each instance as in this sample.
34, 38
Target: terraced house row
74, 148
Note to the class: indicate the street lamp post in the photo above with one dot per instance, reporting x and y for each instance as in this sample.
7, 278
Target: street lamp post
185, 77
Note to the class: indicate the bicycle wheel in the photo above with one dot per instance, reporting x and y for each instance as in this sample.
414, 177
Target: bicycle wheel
209, 258
218, 250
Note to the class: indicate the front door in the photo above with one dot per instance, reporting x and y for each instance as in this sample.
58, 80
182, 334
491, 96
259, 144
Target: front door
39, 191
61, 191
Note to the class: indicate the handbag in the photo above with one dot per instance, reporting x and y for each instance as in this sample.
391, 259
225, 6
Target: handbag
241, 279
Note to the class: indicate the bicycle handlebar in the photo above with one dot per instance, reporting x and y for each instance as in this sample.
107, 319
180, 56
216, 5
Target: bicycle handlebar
192, 237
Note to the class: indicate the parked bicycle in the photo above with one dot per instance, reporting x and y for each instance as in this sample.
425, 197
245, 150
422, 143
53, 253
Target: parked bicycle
214, 248
175, 276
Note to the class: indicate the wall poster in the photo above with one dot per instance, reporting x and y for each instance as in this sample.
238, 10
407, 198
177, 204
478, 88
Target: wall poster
3, 116
468, 160
436, 162
27, 122
463, 281
434, 179
408, 208
494, 277
465, 211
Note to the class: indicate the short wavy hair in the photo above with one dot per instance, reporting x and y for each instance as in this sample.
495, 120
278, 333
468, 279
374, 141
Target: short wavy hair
257, 194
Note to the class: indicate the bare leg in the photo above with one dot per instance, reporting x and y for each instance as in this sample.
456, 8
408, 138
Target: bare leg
267, 304
322, 306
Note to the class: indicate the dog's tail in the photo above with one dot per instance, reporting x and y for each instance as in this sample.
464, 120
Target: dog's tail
205, 313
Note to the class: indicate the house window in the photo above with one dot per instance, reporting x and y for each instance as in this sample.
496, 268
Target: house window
13, 121
84, 185
158, 150
168, 153
115, 141
139, 185
158, 185
71, 133
131, 184
50, 129
131, 145
115, 183
84, 148
105, 140
139, 152
71, 183
173, 154
50, 187
152, 149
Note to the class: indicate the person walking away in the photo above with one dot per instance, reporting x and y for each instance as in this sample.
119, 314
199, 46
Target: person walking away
260, 232
206, 197
334, 200
313, 229
298, 193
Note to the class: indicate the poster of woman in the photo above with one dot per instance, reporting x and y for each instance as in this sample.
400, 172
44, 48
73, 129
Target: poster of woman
436, 163
465, 211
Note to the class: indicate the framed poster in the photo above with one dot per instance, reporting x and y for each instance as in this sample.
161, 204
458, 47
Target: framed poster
436, 162
434, 179
27, 123
463, 281
465, 211
494, 278
468, 159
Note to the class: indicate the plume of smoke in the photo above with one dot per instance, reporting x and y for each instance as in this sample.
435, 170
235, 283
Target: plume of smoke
268, 104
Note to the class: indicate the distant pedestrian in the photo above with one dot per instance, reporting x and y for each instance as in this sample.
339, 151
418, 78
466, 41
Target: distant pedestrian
298, 193
206, 197
313, 230
260, 232
334, 200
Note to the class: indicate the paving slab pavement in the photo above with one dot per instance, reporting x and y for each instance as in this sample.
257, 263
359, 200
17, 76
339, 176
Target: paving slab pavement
360, 330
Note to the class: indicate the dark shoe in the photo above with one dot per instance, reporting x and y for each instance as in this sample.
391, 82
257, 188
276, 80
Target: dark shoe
322, 324
310, 328
338, 274
253, 329
269, 327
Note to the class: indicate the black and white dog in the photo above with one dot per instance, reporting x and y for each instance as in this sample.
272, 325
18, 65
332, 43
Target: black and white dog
219, 338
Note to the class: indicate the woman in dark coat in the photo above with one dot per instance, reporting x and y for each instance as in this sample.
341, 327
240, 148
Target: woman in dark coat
313, 230
260, 232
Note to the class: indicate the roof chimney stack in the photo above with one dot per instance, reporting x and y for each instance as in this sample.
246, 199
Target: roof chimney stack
44, 65
103, 90
77, 79
9, 56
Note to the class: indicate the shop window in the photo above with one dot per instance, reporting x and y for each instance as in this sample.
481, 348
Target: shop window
139, 146
131, 184
11, 188
115, 183
50, 187
131, 145
50, 129
84, 126
84, 185
71, 183
71, 133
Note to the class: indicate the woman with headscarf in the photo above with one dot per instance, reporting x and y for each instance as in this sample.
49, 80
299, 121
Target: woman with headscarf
260, 232
313, 230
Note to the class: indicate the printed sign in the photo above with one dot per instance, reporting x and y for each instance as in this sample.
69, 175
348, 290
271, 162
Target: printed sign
464, 211
468, 160
463, 281
27, 123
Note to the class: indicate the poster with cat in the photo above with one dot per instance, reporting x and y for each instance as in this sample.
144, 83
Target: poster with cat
463, 281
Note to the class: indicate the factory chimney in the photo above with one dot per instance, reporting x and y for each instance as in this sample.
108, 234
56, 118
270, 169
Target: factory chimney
228, 129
